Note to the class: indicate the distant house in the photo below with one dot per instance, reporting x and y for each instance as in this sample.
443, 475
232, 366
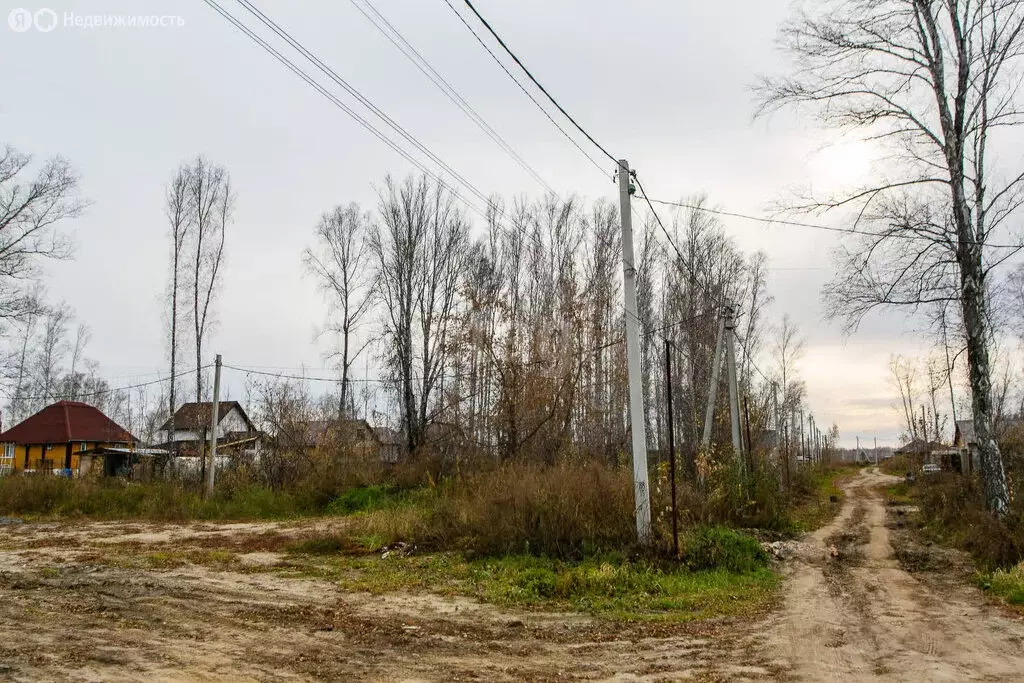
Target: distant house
392, 445
919, 447
52, 439
191, 429
356, 435
966, 442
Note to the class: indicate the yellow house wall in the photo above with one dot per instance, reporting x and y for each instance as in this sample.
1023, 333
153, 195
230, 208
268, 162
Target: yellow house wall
37, 453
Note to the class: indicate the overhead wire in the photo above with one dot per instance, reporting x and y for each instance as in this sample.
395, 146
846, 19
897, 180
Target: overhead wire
427, 69
366, 102
297, 45
800, 224
537, 83
533, 99
111, 390
309, 80
348, 110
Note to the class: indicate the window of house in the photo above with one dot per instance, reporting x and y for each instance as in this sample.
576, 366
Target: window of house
8, 450
49, 446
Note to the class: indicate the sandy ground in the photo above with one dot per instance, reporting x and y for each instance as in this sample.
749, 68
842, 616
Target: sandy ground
853, 614
68, 612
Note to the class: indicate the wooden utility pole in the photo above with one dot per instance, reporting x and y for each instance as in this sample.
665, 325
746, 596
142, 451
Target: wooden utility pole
671, 447
637, 423
746, 420
214, 414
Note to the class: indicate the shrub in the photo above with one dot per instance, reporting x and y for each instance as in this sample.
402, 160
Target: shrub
716, 547
953, 509
1006, 583
360, 499
563, 510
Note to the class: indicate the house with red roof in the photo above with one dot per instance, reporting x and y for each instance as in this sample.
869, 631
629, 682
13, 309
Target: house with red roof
51, 439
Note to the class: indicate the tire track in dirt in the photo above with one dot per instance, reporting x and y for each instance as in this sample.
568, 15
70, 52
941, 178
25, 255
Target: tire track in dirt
851, 613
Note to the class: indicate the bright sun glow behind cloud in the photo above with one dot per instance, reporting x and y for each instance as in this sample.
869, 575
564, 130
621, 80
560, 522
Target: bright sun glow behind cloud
841, 165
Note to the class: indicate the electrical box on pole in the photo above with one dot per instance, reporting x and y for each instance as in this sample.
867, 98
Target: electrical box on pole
637, 422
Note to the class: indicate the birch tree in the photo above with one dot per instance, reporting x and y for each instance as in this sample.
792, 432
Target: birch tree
933, 83
178, 210
341, 263
211, 202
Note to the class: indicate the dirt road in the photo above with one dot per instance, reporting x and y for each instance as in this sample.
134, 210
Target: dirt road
98, 602
853, 614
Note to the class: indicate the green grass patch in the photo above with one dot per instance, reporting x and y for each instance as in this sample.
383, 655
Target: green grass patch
898, 494
608, 586
817, 496
716, 547
1007, 584
361, 499
723, 572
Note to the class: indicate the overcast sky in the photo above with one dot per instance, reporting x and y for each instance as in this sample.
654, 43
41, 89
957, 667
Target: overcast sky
665, 84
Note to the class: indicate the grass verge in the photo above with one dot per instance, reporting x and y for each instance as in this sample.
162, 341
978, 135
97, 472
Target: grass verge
1007, 584
608, 586
817, 496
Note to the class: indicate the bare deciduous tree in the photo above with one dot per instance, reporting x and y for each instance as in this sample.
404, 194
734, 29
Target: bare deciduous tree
31, 210
178, 209
341, 262
212, 202
421, 248
934, 81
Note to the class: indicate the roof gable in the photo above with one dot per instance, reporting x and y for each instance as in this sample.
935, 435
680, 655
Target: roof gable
67, 421
196, 416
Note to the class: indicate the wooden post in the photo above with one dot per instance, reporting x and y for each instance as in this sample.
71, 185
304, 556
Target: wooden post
671, 448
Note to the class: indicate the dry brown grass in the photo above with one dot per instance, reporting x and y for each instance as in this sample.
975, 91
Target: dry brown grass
562, 510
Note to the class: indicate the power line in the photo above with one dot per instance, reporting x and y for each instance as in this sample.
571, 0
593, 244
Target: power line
421, 63
337, 102
110, 390
800, 224
682, 261
524, 89
379, 113
348, 110
537, 83
750, 358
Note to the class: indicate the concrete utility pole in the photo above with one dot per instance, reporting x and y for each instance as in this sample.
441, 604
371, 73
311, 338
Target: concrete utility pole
779, 451
810, 438
803, 436
716, 367
734, 399
876, 450
637, 423
215, 409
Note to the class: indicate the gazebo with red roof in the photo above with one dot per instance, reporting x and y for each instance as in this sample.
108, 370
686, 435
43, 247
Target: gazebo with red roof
52, 438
